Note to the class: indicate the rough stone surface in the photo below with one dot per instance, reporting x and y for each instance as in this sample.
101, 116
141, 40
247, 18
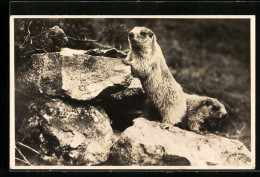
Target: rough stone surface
78, 76
75, 134
146, 143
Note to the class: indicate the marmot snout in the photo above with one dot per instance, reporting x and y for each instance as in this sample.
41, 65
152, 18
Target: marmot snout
139, 37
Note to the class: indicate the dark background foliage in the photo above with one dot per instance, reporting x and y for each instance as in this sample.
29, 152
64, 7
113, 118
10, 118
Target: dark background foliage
206, 56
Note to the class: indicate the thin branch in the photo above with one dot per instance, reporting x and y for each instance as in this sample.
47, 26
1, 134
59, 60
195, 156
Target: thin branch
23, 156
34, 51
28, 35
29, 148
25, 137
93, 42
42, 48
20, 160
238, 136
83, 40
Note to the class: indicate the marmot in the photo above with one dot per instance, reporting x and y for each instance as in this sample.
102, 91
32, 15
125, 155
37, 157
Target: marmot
148, 64
203, 113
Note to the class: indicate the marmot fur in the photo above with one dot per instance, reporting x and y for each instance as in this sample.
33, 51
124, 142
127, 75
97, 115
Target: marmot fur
203, 113
148, 64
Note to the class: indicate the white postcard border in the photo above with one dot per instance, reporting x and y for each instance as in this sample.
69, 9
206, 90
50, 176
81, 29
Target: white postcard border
12, 96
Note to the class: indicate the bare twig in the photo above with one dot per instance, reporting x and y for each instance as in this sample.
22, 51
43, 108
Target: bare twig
28, 35
238, 136
29, 148
25, 159
83, 40
34, 51
20, 160
42, 49
25, 137
93, 42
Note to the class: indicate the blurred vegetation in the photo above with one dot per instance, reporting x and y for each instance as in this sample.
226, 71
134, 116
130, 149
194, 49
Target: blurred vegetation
206, 56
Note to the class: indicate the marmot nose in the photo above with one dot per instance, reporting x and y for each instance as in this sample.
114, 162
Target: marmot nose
131, 35
224, 116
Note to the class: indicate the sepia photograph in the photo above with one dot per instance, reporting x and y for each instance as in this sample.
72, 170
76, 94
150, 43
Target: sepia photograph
132, 92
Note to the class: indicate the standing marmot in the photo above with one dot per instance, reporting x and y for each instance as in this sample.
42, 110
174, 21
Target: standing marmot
148, 64
203, 113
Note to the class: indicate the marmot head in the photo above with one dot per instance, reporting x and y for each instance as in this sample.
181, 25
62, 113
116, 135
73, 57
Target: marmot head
213, 113
141, 39
213, 108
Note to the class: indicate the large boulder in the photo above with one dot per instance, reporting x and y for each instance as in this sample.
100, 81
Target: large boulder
146, 143
71, 73
67, 133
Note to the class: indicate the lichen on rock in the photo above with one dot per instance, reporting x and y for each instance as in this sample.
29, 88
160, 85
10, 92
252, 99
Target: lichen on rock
75, 134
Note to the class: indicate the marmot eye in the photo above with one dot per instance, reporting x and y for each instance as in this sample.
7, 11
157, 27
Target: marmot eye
143, 33
208, 102
216, 108
150, 34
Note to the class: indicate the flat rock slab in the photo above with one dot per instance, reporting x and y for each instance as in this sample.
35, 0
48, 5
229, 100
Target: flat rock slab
146, 143
78, 76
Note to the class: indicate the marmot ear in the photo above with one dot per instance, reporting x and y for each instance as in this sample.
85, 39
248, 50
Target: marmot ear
207, 102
